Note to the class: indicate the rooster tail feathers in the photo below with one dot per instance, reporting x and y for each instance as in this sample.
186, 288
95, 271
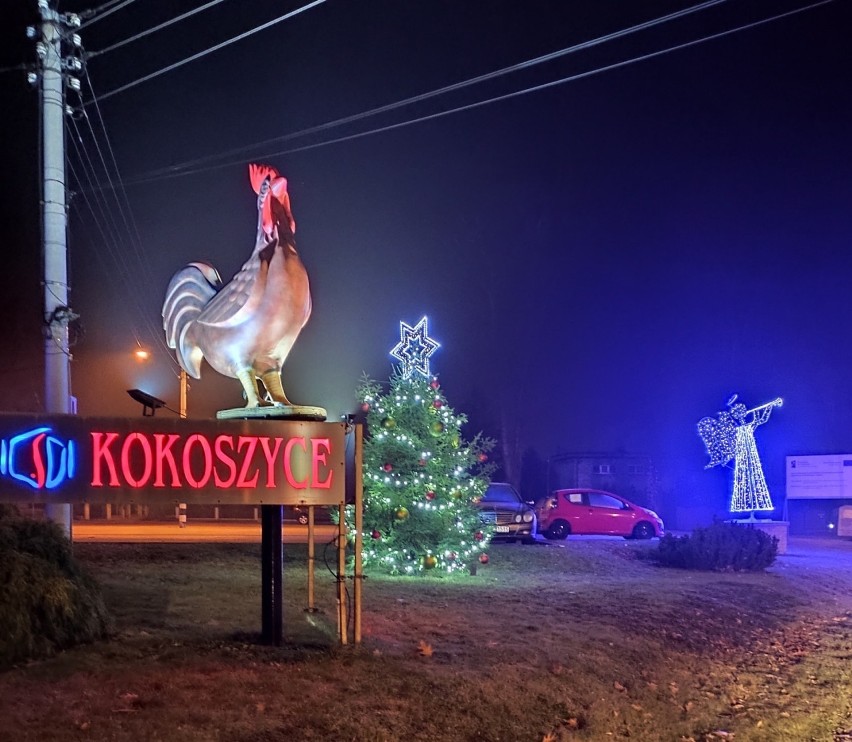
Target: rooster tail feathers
189, 291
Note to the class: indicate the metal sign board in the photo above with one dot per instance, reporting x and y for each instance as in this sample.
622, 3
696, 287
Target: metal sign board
819, 477
68, 459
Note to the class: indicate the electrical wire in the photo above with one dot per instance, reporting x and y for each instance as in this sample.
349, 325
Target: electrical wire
103, 12
111, 232
171, 173
143, 34
459, 85
211, 49
104, 221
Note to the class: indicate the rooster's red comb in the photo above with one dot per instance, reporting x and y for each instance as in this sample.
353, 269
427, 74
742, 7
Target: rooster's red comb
257, 174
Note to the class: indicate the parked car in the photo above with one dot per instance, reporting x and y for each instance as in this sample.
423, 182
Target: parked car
595, 511
512, 518
299, 513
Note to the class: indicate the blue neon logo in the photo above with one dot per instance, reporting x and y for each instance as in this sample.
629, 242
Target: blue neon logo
38, 459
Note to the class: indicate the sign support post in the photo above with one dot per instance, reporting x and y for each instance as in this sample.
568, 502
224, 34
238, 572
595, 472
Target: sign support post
358, 582
311, 561
271, 558
341, 575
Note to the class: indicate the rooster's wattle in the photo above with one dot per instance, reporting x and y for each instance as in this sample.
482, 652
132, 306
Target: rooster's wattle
246, 327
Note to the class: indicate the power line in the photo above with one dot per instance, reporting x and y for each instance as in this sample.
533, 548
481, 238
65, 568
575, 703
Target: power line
158, 175
105, 11
142, 34
453, 87
212, 49
112, 234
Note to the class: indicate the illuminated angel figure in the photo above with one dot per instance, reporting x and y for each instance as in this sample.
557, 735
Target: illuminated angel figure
731, 436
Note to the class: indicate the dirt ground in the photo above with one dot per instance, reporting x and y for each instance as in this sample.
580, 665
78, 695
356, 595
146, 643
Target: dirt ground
582, 640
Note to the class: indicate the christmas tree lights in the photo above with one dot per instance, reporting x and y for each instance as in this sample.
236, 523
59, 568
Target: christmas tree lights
731, 436
420, 485
414, 348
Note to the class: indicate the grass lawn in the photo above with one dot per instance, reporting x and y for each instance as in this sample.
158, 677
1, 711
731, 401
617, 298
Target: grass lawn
585, 640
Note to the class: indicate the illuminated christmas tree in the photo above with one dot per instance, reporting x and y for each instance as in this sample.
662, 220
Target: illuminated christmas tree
421, 478
731, 436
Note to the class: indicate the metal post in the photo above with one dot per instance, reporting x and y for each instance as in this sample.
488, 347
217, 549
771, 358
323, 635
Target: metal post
183, 388
311, 561
54, 225
359, 536
271, 558
341, 575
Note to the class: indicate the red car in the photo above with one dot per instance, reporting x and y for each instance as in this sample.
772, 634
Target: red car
595, 511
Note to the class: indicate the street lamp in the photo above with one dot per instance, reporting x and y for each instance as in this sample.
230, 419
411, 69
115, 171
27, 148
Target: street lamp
150, 403
142, 355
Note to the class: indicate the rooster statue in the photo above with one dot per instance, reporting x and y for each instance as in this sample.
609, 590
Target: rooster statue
245, 328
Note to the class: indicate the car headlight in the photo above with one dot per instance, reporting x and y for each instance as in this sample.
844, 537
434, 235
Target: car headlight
517, 517
528, 516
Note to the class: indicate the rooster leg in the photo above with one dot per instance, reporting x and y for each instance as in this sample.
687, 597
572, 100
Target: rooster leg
249, 381
272, 382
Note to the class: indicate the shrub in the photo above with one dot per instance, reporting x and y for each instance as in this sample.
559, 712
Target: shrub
47, 603
720, 547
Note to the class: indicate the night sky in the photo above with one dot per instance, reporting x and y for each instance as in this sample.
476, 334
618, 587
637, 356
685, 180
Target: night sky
603, 261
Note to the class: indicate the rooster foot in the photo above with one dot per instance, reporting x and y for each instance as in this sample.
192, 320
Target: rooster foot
272, 382
249, 381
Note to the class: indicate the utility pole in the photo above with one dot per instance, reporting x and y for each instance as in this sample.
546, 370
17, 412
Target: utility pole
52, 33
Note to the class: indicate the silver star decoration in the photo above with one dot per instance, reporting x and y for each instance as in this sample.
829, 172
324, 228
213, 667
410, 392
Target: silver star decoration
414, 348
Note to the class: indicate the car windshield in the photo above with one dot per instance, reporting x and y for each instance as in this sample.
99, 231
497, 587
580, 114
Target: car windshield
501, 493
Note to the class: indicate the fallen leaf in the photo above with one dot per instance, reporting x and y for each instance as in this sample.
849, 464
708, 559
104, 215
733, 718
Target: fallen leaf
618, 686
548, 737
260, 707
424, 649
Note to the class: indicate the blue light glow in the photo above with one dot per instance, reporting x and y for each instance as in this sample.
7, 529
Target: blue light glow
38, 459
732, 437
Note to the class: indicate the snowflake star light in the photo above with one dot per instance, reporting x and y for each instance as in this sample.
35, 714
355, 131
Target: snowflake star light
414, 348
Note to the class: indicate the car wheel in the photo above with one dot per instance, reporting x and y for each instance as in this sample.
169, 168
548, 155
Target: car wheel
303, 519
559, 530
643, 531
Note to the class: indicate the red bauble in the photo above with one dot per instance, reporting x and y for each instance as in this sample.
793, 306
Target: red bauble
478, 536
483, 457
434, 384
483, 558
430, 495
365, 407
376, 534
422, 462
388, 466
452, 556
437, 404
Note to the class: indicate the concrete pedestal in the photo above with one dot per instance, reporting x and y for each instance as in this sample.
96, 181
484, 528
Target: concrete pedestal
777, 528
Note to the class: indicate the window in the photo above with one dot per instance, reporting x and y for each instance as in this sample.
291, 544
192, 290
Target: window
636, 469
599, 500
602, 469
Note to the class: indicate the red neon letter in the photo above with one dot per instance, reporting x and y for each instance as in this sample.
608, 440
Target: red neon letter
187, 463
164, 453
251, 444
288, 463
270, 459
320, 457
38, 461
125, 460
100, 450
226, 460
